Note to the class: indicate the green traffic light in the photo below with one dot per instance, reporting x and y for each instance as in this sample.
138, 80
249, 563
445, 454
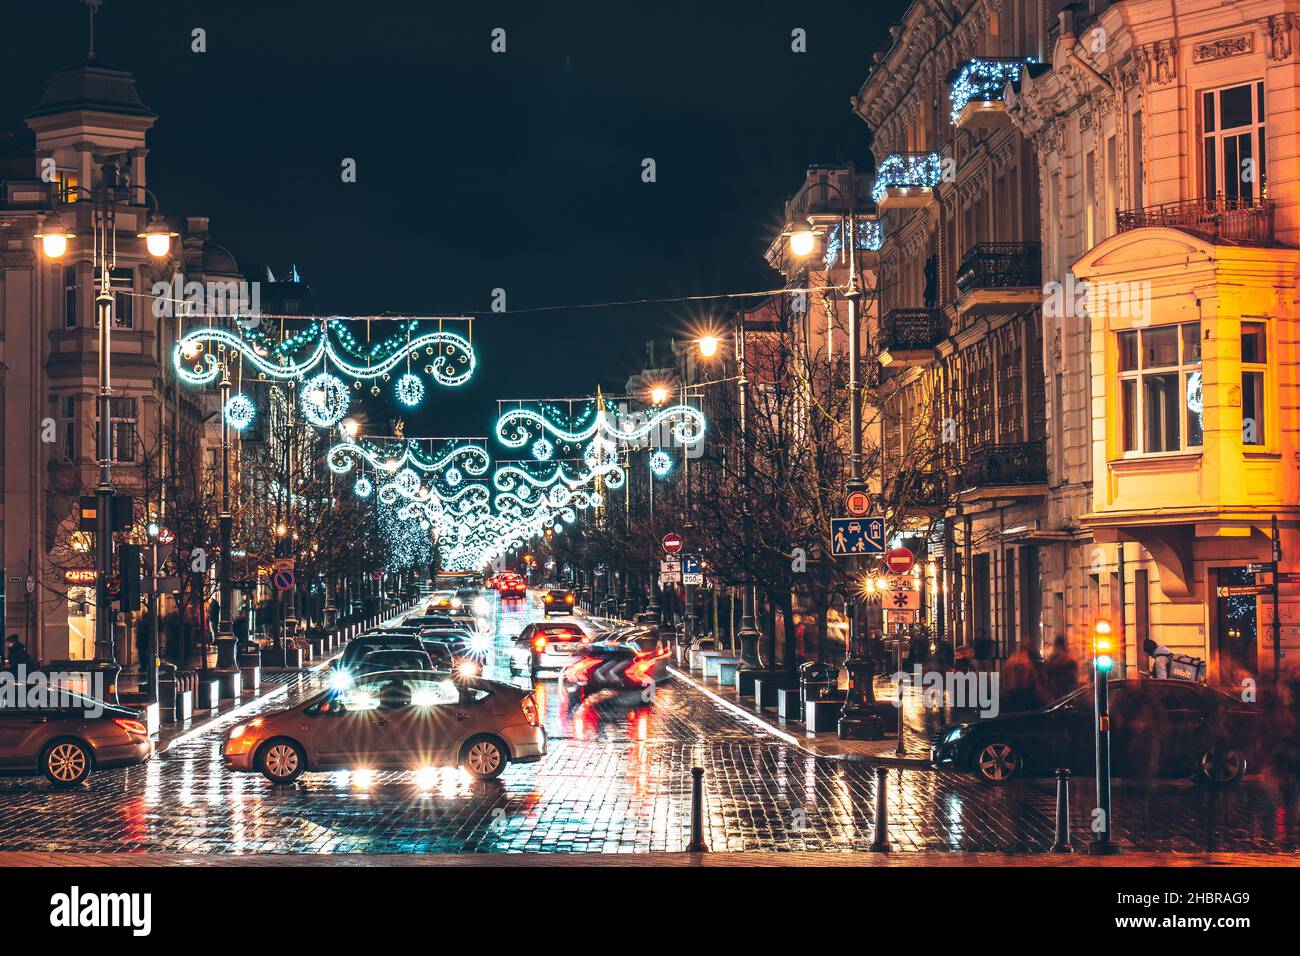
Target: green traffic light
1104, 662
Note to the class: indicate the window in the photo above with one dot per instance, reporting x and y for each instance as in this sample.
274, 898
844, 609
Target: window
1254, 362
122, 284
124, 411
1090, 199
65, 185
68, 427
1113, 179
1160, 388
1234, 163
1135, 162
69, 297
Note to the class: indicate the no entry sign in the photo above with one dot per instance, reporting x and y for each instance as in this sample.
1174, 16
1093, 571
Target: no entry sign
672, 542
899, 560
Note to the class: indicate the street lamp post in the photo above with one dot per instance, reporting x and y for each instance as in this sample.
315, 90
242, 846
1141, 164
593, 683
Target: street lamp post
54, 236
856, 720
227, 670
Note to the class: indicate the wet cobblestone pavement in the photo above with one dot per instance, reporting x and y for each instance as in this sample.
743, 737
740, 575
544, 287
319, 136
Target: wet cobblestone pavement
616, 780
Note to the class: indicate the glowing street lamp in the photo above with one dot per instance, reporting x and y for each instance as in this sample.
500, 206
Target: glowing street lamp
708, 346
802, 243
659, 394
54, 237
157, 237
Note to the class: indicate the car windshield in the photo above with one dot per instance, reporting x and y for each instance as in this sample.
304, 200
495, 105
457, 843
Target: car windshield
386, 691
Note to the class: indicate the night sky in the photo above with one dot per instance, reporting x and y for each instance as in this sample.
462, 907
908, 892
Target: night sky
478, 170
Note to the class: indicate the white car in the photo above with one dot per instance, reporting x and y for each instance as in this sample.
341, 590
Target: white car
548, 645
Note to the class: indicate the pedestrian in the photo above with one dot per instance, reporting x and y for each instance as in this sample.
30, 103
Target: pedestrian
1023, 676
1160, 657
1061, 671
17, 655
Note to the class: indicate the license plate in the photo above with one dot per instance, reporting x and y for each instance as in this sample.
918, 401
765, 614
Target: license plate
563, 648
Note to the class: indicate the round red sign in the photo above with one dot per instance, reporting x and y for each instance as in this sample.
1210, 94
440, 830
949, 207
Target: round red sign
858, 503
899, 560
672, 543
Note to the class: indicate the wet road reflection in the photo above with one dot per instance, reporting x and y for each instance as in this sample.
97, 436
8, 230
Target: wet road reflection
616, 779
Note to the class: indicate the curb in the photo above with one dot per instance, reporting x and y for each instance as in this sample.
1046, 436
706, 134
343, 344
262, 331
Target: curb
906, 763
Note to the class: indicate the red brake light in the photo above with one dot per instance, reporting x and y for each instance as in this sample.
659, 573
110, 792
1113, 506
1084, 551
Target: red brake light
568, 598
539, 643
578, 671
131, 726
529, 706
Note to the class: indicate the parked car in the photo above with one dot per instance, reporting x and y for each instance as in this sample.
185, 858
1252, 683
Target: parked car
66, 743
1184, 729
395, 719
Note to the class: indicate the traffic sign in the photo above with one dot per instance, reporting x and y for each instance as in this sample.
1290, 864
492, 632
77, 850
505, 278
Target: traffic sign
858, 503
899, 617
376, 575
691, 571
601, 568
283, 564
282, 579
901, 601
672, 542
1242, 590
857, 536
899, 560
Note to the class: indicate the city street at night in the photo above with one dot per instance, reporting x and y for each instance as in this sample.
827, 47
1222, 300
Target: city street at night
645, 441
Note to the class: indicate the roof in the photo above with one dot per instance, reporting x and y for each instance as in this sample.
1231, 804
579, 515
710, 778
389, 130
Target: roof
91, 84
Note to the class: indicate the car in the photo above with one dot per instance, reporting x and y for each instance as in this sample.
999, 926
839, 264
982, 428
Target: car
395, 719
410, 659
512, 587
69, 739
1188, 729
546, 645
357, 648
557, 601
440, 601
633, 664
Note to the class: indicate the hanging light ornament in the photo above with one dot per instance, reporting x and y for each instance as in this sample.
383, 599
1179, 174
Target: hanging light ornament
661, 463
240, 412
325, 400
543, 450
363, 487
410, 390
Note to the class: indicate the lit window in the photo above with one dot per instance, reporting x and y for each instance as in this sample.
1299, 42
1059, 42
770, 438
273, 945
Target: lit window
1160, 388
1233, 161
1254, 364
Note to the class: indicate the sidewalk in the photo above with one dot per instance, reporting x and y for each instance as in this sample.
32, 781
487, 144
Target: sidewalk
877, 752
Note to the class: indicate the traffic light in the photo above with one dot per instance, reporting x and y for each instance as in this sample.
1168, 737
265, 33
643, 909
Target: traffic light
129, 556
1102, 646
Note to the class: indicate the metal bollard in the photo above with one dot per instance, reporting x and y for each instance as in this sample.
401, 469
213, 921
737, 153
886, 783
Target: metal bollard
1062, 842
697, 844
880, 836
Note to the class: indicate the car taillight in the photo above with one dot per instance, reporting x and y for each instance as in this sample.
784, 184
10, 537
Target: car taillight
568, 598
579, 670
539, 643
131, 726
529, 706
548, 599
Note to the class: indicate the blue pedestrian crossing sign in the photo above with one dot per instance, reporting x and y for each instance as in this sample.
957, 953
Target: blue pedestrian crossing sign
851, 537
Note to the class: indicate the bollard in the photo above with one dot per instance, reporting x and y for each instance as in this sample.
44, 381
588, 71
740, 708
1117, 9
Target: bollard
1062, 842
697, 844
880, 838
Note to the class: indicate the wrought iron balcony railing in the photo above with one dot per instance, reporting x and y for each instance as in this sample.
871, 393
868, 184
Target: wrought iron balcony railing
1023, 463
904, 330
1001, 265
912, 490
1217, 217
983, 80
907, 171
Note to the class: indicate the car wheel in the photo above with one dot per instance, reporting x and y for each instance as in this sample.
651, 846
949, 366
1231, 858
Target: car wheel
997, 762
484, 758
66, 763
281, 761
1220, 767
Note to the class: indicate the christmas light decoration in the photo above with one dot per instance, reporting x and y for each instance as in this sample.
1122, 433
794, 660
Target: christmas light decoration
661, 463
983, 79
543, 450
240, 412
410, 390
325, 400
870, 234
907, 171
363, 487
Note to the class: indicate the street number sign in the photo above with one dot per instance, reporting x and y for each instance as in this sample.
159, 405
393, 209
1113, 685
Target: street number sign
672, 542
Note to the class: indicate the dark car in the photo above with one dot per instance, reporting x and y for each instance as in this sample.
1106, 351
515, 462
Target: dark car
512, 587
65, 743
400, 719
557, 601
409, 659
633, 664
1163, 728
360, 646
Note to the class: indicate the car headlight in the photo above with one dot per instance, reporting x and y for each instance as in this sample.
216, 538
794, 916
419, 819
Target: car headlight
237, 731
955, 734
340, 680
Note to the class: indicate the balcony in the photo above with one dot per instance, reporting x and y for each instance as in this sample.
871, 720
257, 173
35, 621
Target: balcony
915, 492
997, 277
1219, 217
906, 180
975, 90
909, 336
1020, 466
